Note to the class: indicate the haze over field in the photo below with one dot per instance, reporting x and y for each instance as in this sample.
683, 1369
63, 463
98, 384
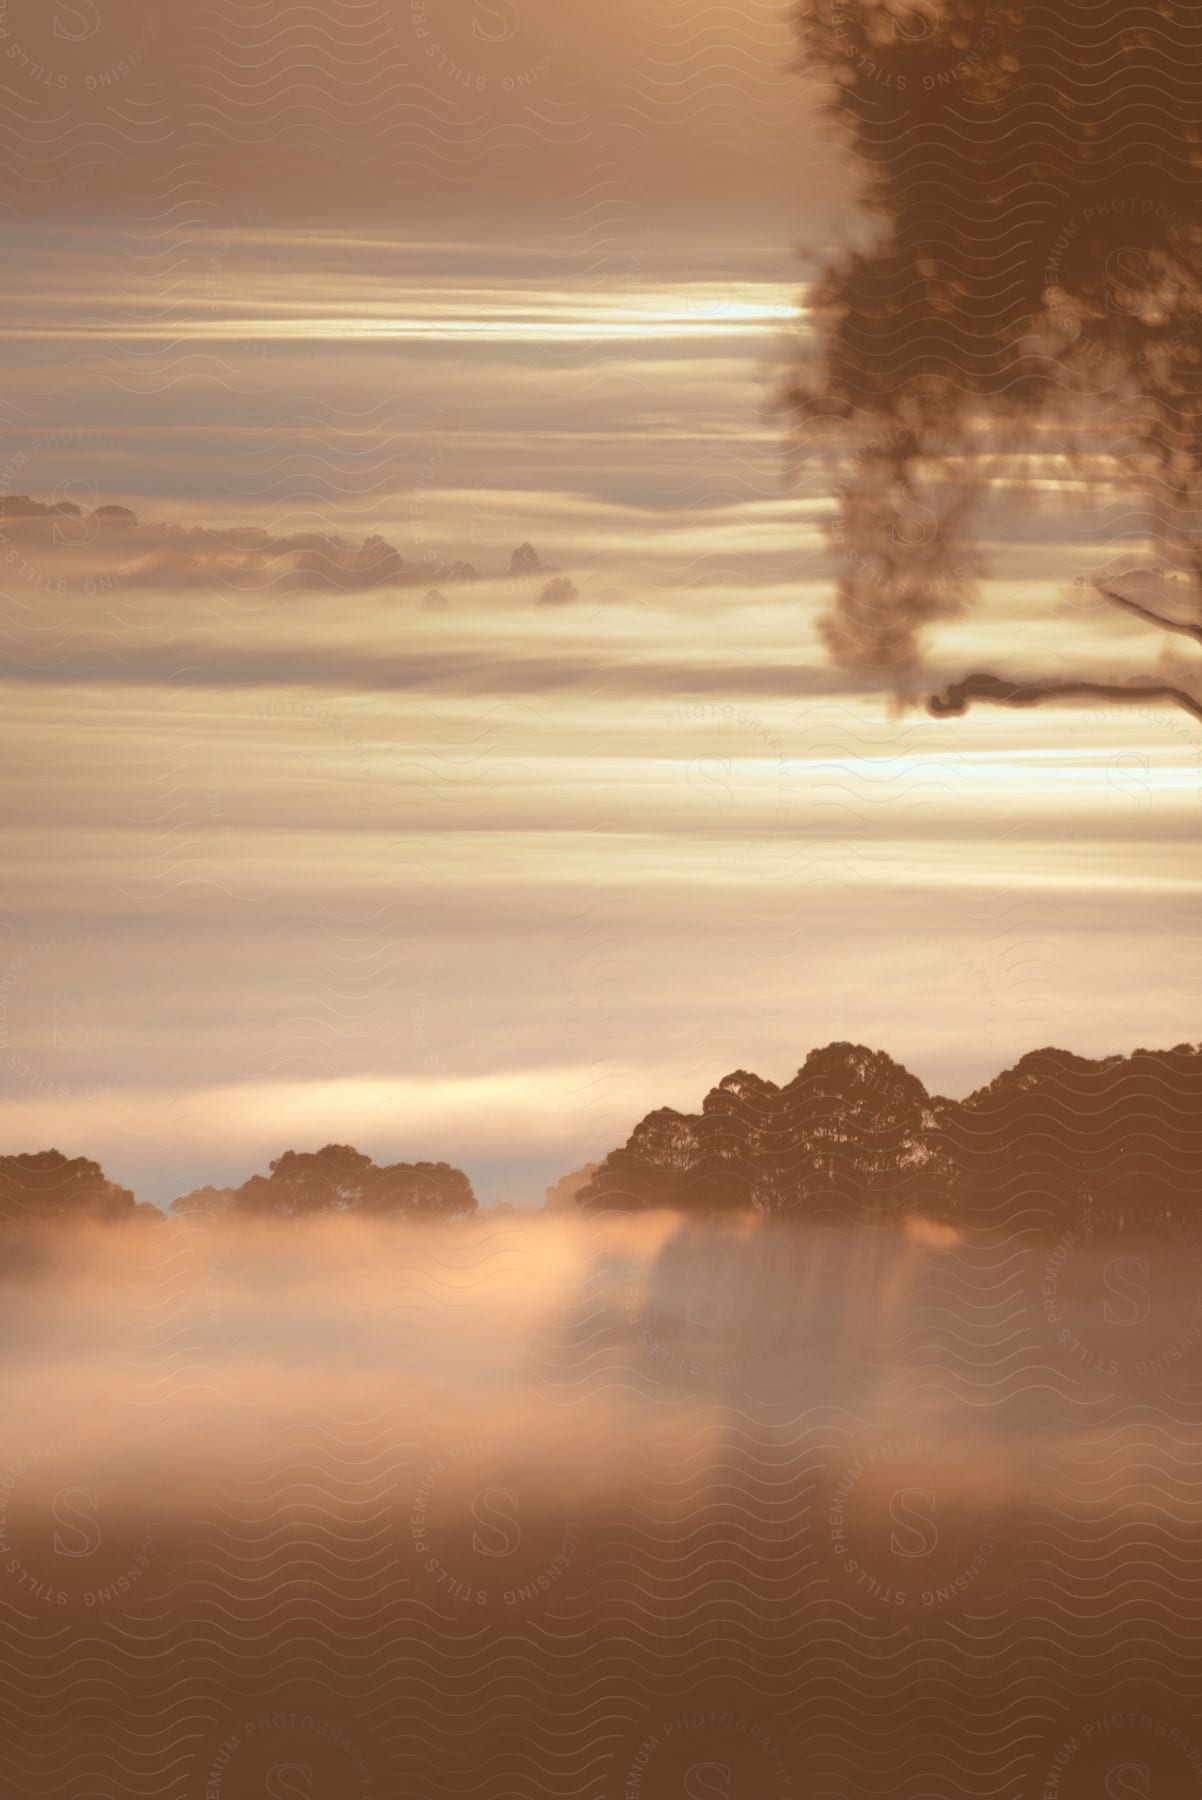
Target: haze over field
529, 1504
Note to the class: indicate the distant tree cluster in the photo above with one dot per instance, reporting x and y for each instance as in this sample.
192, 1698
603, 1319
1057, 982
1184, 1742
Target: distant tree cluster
852, 1125
1056, 1140
48, 1186
50, 1189
304, 1184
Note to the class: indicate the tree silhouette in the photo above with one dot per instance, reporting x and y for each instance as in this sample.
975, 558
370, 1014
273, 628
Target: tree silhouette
303, 1183
204, 1202
46, 1187
417, 1190
1057, 1141
1063, 1141
851, 1135
861, 1137
306, 1184
652, 1169
561, 1195
1034, 290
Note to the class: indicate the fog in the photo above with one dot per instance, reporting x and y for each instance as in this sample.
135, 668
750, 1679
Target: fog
531, 1504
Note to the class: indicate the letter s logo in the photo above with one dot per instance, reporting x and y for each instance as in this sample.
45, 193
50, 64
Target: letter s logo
281, 1786
914, 523
84, 16
504, 1534
74, 529
1126, 776
74, 1508
1129, 274
706, 1306
922, 1526
708, 1781
495, 24
706, 774
921, 22
1126, 1278
1129, 1781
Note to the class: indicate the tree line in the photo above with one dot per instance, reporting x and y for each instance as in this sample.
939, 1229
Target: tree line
1056, 1141
300, 1184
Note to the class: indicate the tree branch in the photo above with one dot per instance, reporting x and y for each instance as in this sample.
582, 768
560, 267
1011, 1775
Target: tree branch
992, 689
1150, 617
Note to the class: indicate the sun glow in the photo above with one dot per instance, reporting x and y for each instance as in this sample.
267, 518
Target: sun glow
494, 314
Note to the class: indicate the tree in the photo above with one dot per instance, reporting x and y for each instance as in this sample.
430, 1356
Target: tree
1065, 1141
852, 1135
739, 1161
1045, 301
303, 1183
48, 1188
417, 1190
857, 1138
206, 1202
561, 1195
306, 1184
652, 1170
1057, 1141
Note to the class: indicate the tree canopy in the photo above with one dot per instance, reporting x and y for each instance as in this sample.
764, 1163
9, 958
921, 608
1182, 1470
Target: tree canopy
1031, 291
850, 1133
46, 1187
1055, 1141
305, 1184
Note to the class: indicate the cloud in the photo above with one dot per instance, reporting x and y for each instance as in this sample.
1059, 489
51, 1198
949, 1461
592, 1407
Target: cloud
115, 548
60, 546
559, 591
187, 663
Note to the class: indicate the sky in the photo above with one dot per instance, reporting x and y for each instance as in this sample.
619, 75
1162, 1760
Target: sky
313, 840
